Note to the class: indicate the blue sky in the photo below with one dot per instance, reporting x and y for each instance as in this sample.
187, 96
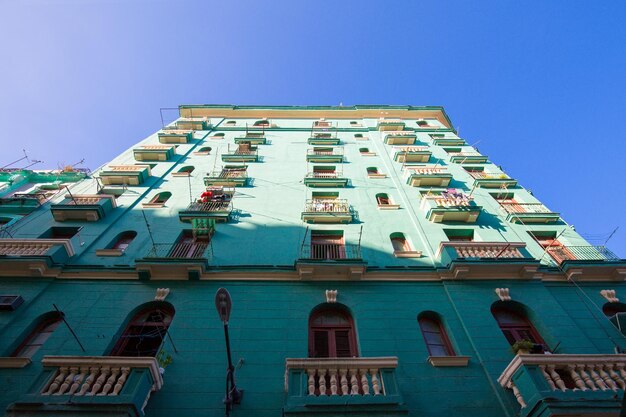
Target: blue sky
539, 86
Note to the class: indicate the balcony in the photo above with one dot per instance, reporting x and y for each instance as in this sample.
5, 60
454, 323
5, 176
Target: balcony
322, 124
175, 136
428, 176
229, 176
359, 386
412, 154
154, 153
444, 141
581, 385
488, 259
467, 158
400, 138
179, 260
389, 125
328, 155
253, 138
20, 203
323, 139
492, 180
87, 385
193, 123
243, 153
125, 174
319, 210
588, 262
90, 208
33, 256
330, 261
450, 206
219, 211
525, 213
325, 179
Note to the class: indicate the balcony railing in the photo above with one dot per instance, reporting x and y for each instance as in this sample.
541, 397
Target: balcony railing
488, 176
449, 199
102, 385
330, 152
331, 385
581, 253
210, 207
323, 175
194, 250
485, 250
524, 207
33, 247
426, 170
566, 382
327, 206
331, 252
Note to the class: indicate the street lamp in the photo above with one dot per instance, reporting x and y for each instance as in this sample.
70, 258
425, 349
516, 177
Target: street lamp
224, 304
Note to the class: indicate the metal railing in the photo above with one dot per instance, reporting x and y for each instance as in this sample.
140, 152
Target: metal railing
323, 175
465, 154
488, 176
210, 206
426, 170
195, 250
229, 173
324, 152
327, 206
581, 253
524, 207
331, 252
449, 200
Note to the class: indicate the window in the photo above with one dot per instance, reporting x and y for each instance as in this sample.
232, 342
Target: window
192, 244
358, 136
435, 335
515, 326
204, 150
331, 334
231, 122
10, 302
365, 151
122, 240
383, 199
553, 246
4, 221
186, 170
327, 244
145, 332
354, 122
372, 171
38, 336
160, 198
459, 235
218, 136
611, 309
400, 243
324, 171
422, 123
264, 123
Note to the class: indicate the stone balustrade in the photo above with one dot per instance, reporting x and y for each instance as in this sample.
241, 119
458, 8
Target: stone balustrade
491, 250
565, 374
343, 376
95, 375
32, 247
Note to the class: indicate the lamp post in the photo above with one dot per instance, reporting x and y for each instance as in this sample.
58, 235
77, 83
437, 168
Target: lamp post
224, 304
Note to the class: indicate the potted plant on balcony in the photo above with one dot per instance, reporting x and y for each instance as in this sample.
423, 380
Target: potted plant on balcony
522, 347
163, 359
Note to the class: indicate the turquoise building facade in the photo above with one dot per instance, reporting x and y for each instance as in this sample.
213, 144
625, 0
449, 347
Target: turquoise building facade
378, 264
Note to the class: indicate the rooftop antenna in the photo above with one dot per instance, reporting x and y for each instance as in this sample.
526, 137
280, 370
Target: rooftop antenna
610, 236
18, 160
33, 162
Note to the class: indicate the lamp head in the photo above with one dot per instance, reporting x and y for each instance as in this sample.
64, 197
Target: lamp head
223, 304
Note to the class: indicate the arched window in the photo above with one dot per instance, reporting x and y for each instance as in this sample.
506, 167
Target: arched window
422, 123
122, 240
263, 122
611, 309
231, 122
219, 135
400, 243
331, 334
205, 150
37, 337
160, 198
145, 331
383, 199
185, 171
434, 334
515, 326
